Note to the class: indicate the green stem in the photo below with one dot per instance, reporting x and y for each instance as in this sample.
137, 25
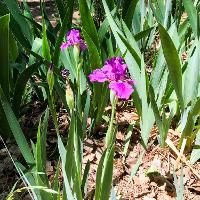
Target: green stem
79, 106
78, 63
110, 135
101, 106
53, 112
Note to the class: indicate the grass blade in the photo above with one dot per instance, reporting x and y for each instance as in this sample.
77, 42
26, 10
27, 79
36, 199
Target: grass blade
21, 84
16, 14
95, 59
195, 155
107, 176
16, 129
191, 75
88, 23
99, 176
173, 63
128, 11
62, 152
136, 166
179, 187
85, 178
66, 25
4, 51
192, 13
61, 8
45, 44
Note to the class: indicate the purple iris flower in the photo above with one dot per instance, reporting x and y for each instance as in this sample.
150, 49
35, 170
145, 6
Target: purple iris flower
114, 71
74, 38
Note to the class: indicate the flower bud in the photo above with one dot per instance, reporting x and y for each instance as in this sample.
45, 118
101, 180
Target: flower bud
69, 97
65, 73
50, 80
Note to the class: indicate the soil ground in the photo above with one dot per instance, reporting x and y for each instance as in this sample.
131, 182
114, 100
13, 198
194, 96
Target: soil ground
153, 180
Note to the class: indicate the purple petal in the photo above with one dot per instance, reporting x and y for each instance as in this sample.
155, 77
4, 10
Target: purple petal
98, 76
64, 46
122, 90
83, 46
130, 81
108, 71
116, 69
113, 60
74, 38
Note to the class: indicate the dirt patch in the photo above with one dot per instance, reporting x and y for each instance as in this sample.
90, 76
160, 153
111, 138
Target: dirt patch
154, 178
51, 10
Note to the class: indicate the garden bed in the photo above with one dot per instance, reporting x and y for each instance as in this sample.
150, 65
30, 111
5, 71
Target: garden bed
139, 172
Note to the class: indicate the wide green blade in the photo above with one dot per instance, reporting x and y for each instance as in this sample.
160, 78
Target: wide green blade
61, 8
99, 176
21, 84
66, 16
191, 75
16, 13
45, 44
173, 63
88, 23
195, 155
4, 51
16, 129
107, 176
62, 151
128, 11
192, 14
4, 75
94, 55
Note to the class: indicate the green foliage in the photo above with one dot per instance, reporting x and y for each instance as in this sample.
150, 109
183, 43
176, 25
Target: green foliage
21, 84
4, 76
151, 36
173, 63
192, 14
15, 128
4, 50
179, 185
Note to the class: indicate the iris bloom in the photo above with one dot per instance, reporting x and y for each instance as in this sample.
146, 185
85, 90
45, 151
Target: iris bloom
74, 38
114, 71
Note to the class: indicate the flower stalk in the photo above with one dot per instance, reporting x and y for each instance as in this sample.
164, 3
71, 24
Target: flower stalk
79, 106
69, 96
110, 135
74, 39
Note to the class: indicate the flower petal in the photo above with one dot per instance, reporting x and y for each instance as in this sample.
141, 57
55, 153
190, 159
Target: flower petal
122, 90
74, 38
98, 76
117, 68
130, 81
64, 46
83, 46
114, 70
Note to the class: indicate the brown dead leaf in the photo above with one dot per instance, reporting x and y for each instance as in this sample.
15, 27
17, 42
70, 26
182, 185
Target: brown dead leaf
195, 188
120, 136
